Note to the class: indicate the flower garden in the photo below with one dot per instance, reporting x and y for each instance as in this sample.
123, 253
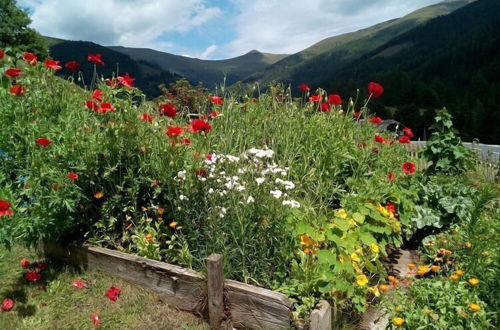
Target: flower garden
296, 188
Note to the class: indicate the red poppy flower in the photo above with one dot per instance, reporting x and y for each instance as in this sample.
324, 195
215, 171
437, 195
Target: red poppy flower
113, 293
30, 58
126, 80
391, 207
255, 100
186, 141
13, 72
106, 107
408, 132
2, 53
73, 66
404, 139
408, 167
200, 125
213, 114
111, 82
95, 319
7, 304
334, 99
32, 276
216, 99
72, 176
17, 90
378, 138
51, 64
97, 95
92, 105
95, 58
375, 89
41, 266
147, 117
390, 176
356, 114
79, 284
315, 98
376, 120
304, 87
24, 262
168, 110
43, 142
325, 107
5, 208
173, 131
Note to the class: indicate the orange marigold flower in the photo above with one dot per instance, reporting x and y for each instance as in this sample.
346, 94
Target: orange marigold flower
474, 307
398, 321
411, 266
473, 281
435, 268
392, 279
459, 272
149, 237
173, 224
99, 195
383, 287
422, 270
454, 277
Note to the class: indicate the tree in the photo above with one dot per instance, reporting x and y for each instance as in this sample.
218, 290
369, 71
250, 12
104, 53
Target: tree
15, 33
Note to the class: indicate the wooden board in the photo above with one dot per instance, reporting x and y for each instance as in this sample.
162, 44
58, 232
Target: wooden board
321, 316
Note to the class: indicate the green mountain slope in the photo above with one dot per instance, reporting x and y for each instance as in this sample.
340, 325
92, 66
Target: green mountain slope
329, 55
451, 61
208, 72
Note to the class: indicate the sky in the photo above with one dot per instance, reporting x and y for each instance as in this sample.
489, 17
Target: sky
215, 29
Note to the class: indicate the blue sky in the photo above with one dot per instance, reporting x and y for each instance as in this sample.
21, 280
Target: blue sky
214, 29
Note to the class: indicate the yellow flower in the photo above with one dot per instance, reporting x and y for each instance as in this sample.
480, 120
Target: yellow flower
473, 281
392, 279
354, 257
99, 195
428, 311
435, 268
397, 308
341, 213
375, 291
474, 307
149, 237
160, 210
459, 272
468, 244
306, 240
173, 224
383, 287
454, 277
374, 248
398, 321
485, 253
422, 270
352, 223
411, 266
362, 280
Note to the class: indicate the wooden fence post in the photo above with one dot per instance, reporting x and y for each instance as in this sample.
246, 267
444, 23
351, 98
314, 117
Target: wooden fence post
215, 286
321, 316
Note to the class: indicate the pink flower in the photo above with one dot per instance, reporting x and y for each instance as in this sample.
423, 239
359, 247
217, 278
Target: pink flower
79, 284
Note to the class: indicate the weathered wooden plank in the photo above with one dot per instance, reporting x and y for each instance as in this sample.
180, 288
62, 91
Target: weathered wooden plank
179, 286
215, 287
321, 316
257, 308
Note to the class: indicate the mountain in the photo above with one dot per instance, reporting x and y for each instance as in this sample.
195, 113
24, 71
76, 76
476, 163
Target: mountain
148, 75
207, 72
451, 61
325, 57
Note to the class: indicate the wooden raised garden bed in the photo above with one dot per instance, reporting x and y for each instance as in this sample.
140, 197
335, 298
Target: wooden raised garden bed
227, 303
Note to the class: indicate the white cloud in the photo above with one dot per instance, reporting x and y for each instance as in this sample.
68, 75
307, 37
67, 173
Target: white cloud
209, 51
136, 23
278, 26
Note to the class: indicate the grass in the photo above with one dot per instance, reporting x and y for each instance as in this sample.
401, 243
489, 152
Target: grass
55, 304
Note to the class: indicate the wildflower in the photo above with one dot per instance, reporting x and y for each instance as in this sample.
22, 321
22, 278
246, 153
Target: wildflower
72, 176
378, 138
404, 139
435, 268
173, 224
43, 142
146, 117
106, 107
356, 114
334, 99
374, 290
91, 105
474, 307
325, 107
459, 272
392, 279
376, 120
398, 321
408, 167
397, 308
95, 319
149, 237
408, 132
5, 208
126, 80
454, 277
362, 280
72, 66
51, 64
276, 193
315, 98
422, 270
79, 284
293, 204
375, 90
99, 195
113, 293
200, 125
383, 287
390, 176
2, 53
213, 114
17, 90
32, 276
96, 59
7, 304
173, 131
13, 72
24, 262
30, 58
355, 257
474, 281
216, 99
168, 110
341, 213
97, 95
374, 247
304, 87
468, 245
250, 199
307, 240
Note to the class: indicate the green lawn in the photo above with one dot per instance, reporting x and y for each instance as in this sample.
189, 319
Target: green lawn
53, 303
